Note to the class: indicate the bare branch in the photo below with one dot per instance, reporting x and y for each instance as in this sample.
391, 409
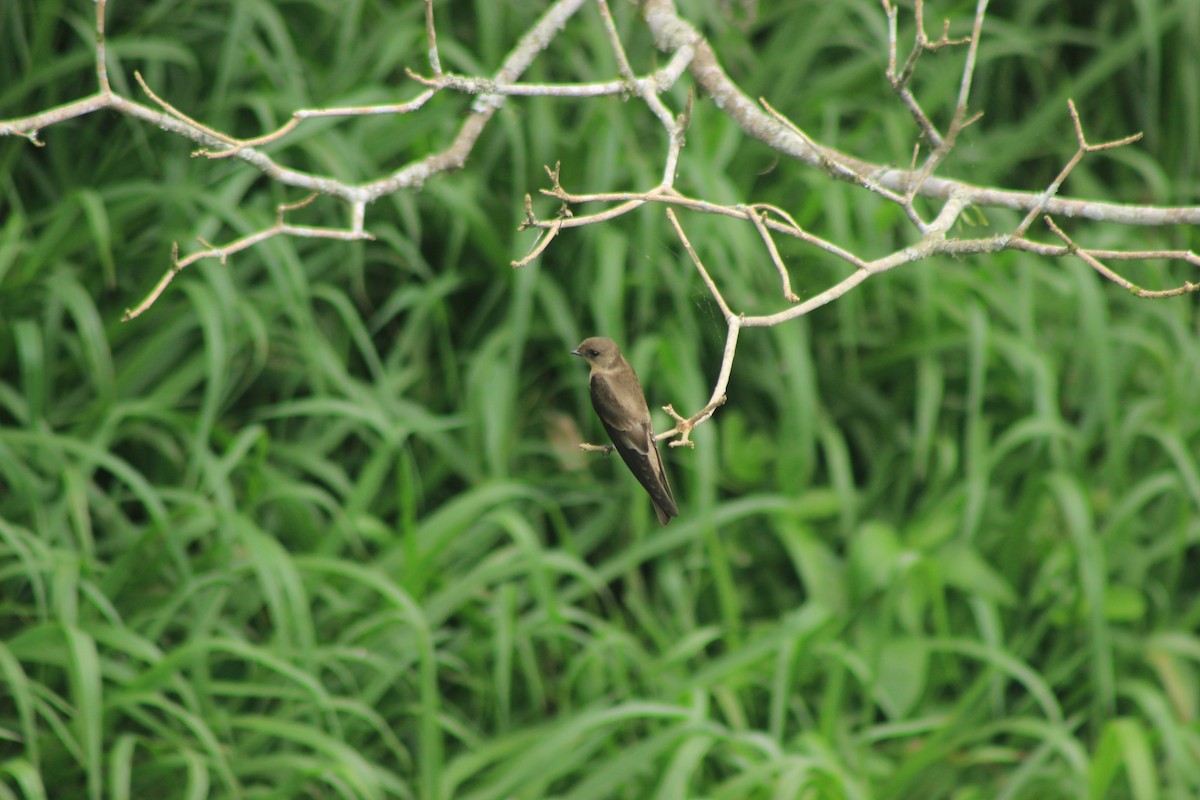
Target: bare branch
1084, 148
673, 32
689, 53
280, 228
712, 286
179, 115
788, 294
1090, 259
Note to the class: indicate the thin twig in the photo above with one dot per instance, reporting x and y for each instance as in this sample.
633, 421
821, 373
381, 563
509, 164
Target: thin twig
780, 267
1090, 259
222, 253
712, 286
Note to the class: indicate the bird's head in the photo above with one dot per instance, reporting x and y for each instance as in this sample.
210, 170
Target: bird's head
601, 353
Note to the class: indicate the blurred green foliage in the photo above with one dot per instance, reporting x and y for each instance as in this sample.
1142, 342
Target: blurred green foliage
314, 525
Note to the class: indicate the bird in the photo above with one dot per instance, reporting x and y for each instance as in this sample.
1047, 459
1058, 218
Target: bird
619, 402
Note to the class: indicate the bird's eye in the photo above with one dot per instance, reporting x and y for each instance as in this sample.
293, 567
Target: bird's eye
593, 353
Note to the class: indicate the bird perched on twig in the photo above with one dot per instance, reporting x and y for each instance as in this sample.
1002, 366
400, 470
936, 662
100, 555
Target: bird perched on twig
619, 402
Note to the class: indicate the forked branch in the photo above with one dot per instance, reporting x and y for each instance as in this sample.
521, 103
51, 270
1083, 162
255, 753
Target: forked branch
690, 54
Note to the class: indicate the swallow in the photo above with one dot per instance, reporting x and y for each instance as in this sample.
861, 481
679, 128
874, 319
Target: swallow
621, 405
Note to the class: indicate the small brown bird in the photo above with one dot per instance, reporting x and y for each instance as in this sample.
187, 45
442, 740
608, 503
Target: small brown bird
619, 402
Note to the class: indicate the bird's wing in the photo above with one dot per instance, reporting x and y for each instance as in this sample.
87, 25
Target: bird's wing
624, 414
627, 422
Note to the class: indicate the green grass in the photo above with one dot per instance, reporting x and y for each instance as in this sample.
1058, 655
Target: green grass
314, 526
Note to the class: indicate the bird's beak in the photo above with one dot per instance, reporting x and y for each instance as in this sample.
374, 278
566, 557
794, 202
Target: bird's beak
576, 352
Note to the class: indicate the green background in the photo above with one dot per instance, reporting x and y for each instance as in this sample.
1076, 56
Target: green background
315, 525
